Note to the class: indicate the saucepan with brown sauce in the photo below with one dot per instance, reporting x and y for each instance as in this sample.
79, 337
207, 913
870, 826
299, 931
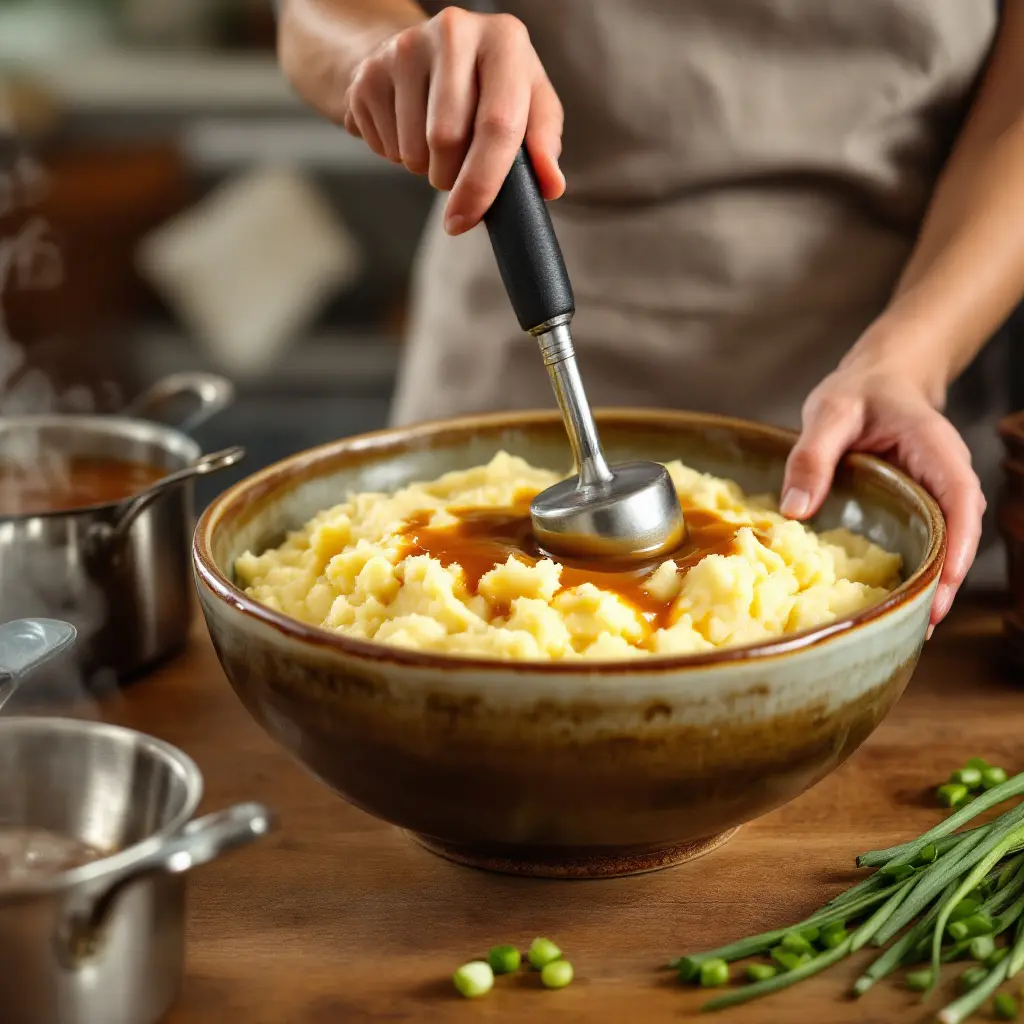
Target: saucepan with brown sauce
96, 835
96, 516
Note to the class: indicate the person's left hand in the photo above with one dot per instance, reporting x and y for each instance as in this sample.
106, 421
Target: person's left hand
866, 408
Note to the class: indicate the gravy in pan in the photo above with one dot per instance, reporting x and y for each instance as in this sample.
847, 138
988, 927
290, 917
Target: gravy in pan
69, 483
30, 854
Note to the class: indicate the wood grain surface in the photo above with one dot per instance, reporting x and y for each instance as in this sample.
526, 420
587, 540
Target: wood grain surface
340, 918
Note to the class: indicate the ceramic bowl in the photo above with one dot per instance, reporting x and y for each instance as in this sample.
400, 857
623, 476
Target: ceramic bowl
566, 769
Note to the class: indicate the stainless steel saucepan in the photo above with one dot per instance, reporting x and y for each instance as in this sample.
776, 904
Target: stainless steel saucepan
118, 571
103, 943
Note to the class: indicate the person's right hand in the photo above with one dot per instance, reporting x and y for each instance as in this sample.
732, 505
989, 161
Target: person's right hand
453, 97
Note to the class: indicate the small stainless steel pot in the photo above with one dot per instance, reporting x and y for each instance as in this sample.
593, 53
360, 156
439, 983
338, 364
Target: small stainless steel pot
118, 572
103, 943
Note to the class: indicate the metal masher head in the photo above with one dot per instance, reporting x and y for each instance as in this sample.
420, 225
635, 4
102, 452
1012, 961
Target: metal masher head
623, 512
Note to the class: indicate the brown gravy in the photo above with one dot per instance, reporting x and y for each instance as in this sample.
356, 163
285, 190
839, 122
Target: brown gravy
31, 854
485, 537
73, 482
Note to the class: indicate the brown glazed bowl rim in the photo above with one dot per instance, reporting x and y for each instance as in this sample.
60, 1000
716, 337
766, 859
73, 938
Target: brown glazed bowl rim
268, 480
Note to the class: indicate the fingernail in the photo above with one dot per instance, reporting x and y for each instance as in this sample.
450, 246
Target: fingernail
795, 503
928, 635
455, 225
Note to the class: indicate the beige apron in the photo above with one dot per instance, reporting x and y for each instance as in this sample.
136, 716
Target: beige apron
745, 182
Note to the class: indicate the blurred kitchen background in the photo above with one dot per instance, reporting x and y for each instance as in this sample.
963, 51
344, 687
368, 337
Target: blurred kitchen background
168, 204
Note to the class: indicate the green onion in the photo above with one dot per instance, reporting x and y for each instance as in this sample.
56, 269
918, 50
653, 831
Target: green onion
996, 957
965, 908
1004, 1006
811, 934
474, 979
976, 924
1008, 841
960, 1009
558, 974
504, 959
687, 966
714, 973
761, 972
977, 762
919, 981
992, 777
982, 947
969, 777
542, 952
908, 851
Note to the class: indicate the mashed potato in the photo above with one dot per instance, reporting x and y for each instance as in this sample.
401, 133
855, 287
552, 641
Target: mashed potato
363, 569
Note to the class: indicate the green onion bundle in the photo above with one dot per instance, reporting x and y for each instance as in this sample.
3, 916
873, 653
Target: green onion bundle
948, 896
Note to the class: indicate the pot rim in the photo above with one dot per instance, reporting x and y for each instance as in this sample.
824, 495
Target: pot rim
97, 871
170, 439
262, 482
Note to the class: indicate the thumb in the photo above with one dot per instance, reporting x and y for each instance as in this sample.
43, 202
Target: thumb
830, 426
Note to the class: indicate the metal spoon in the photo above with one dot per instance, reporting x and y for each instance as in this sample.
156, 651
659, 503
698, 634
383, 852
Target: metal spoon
26, 644
625, 511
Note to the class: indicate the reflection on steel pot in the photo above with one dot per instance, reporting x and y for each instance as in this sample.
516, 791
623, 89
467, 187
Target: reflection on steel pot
118, 570
102, 941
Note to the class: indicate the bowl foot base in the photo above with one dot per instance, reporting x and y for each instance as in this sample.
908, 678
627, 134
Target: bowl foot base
582, 862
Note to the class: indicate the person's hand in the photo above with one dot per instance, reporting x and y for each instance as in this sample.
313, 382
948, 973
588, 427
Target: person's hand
453, 98
869, 409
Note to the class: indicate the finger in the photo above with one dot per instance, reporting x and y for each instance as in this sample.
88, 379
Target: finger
380, 101
544, 137
451, 101
365, 127
955, 487
830, 426
350, 121
412, 77
498, 131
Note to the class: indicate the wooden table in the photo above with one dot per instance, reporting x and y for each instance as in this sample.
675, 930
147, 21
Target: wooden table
338, 918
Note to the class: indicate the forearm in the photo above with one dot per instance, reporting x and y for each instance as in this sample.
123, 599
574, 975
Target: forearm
321, 42
966, 272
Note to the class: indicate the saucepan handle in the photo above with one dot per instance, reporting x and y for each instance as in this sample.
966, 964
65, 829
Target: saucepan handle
110, 534
199, 842
183, 400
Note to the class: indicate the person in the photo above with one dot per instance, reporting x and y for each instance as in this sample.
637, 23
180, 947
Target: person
789, 211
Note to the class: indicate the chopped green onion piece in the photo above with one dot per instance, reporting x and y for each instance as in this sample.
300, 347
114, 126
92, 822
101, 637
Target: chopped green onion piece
558, 973
992, 777
898, 872
811, 933
996, 957
977, 762
969, 777
474, 979
972, 977
982, 947
965, 908
919, 981
788, 960
542, 952
951, 794
962, 801
714, 973
688, 968
833, 935
1004, 1006
796, 943
504, 959
926, 856
761, 972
